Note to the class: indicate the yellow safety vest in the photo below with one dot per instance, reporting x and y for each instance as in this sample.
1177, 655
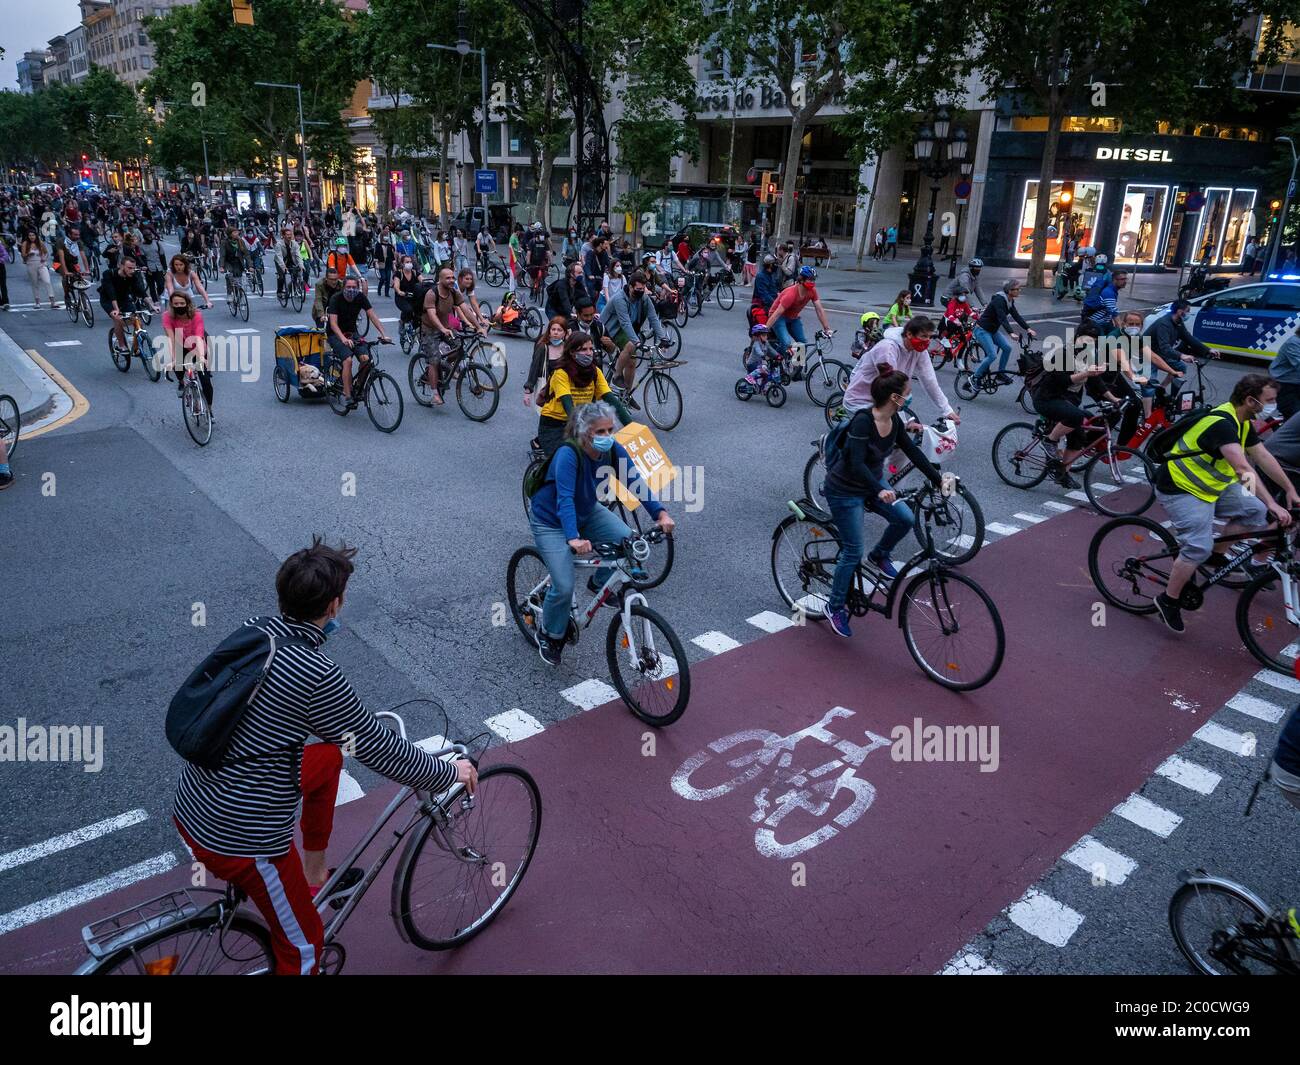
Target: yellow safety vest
1203, 475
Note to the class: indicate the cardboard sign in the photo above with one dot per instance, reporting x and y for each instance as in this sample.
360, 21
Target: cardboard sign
651, 461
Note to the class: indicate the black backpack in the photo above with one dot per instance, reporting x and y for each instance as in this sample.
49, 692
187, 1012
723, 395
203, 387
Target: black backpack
1030, 365
537, 476
204, 712
1159, 446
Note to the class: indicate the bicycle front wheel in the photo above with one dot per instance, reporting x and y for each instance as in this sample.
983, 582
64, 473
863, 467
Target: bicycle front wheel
1129, 560
242, 297
87, 311
956, 524
953, 629
662, 400
1205, 916
725, 295
198, 418
660, 563
460, 871
147, 356
824, 378
384, 401
196, 947
1019, 456
10, 424
296, 297
477, 392
1267, 621
1120, 483
648, 666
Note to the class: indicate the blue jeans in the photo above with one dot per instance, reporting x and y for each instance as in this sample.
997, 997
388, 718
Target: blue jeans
600, 527
848, 512
787, 330
992, 343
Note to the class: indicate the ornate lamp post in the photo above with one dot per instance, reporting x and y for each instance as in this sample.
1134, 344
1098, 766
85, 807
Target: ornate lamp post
938, 150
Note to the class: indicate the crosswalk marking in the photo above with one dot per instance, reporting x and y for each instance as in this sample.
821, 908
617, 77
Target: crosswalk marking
968, 963
1043, 917
1001, 529
1225, 739
235, 332
1101, 486
1099, 861
1278, 680
1052, 504
349, 789
1146, 814
964, 541
70, 839
63, 343
1260, 709
1076, 494
514, 725
1033, 519
78, 896
589, 694
769, 621
1189, 774
715, 642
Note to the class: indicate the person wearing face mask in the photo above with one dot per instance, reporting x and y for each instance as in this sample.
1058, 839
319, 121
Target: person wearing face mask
623, 318
547, 353
997, 316
783, 314
345, 309
566, 515
442, 310
614, 283
1171, 340
187, 342
564, 292
585, 321
326, 289
1134, 347
855, 483
575, 380
907, 350
385, 257
404, 288
465, 286
968, 277
767, 285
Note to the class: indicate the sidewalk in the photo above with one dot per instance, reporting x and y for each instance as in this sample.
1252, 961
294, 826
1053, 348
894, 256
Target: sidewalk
35, 392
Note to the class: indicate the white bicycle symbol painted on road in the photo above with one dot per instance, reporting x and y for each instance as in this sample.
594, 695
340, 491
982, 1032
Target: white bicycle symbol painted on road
811, 790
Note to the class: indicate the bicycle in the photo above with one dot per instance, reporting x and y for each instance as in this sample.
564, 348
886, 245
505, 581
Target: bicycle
290, 290
1129, 561
465, 857
236, 297
76, 300
653, 683
707, 286
379, 391
1119, 481
822, 377
1225, 929
537, 280
942, 612
138, 343
661, 397
953, 343
478, 392
11, 425
992, 382
957, 516
195, 411
256, 275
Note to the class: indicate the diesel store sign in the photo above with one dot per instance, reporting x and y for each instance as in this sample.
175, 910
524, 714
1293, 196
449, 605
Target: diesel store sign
1147, 155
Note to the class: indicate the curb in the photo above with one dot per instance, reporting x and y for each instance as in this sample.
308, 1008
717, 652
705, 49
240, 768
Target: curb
35, 391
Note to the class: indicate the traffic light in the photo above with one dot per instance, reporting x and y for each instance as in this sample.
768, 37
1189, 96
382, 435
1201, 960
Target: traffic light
767, 188
85, 171
243, 10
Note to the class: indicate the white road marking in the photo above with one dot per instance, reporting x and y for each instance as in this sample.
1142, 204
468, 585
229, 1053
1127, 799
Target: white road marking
1260, 709
390, 319
78, 896
1189, 774
70, 839
1033, 519
770, 622
1001, 529
1101, 486
236, 332
63, 343
1042, 916
590, 693
1146, 814
715, 642
1076, 494
1278, 680
514, 725
1099, 861
964, 541
1225, 739
1291, 650
970, 964
1052, 504
349, 789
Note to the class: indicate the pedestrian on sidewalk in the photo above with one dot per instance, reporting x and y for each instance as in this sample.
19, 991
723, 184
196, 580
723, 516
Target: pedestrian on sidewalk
945, 238
891, 241
36, 256
6, 257
878, 244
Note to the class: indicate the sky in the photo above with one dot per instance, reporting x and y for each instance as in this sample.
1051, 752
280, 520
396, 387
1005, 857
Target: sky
25, 25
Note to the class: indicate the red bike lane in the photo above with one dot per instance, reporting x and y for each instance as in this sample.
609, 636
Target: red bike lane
657, 856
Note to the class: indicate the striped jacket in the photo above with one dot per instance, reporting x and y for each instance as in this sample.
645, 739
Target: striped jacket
247, 807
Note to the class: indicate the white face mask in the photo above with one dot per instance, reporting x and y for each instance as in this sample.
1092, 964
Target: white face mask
1133, 330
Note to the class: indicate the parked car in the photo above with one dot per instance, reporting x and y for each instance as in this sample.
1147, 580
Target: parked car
1250, 320
470, 220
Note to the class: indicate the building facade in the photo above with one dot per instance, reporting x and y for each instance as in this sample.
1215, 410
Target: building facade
32, 70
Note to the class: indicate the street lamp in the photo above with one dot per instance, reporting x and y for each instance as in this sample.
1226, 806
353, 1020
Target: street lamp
1286, 206
302, 134
462, 47
938, 149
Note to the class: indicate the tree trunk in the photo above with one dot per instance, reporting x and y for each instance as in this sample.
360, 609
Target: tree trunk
1055, 119
785, 210
445, 138
871, 206
386, 192
731, 155
545, 157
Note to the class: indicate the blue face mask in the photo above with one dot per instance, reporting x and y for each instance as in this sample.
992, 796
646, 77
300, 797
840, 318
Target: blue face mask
331, 627
602, 443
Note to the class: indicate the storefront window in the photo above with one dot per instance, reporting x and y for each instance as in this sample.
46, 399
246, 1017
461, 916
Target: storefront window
1140, 222
1224, 226
1074, 208
1238, 230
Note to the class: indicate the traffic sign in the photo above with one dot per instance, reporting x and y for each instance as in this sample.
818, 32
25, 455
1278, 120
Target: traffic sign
485, 181
963, 189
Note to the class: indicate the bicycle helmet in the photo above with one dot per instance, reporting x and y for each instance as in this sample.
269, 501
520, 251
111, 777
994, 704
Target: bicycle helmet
769, 260
340, 242
1102, 260
757, 328
976, 264
807, 273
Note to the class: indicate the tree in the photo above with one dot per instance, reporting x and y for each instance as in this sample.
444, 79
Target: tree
1138, 60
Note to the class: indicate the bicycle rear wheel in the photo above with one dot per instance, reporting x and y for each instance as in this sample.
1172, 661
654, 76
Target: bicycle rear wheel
662, 400
1120, 483
417, 377
196, 947
656, 686
1019, 457
1129, 560
804, 554
10, 424
813, 473
457, 877
1206, 915
527, 582
477, 392
952, 628
1267, 622
87, 311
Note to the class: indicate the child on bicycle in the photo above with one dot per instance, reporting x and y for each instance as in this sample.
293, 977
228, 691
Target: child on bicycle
761, 357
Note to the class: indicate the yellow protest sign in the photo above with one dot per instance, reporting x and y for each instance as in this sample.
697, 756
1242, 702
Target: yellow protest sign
650, 459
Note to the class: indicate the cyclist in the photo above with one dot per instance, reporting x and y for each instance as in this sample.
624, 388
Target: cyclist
442, 301
119, 293
288, 262
326, 289
564, 292
345, 308
187, 342
238, 820
1058, 395
1284, 770
1171, 340
404, 288
969, 279
538, 255
485, 246
566, 515
1199, 482
341, 259
855, 482
783, 314
585, 321
572, 380
236, 259
996, 316
181, 277
465, 282
766, 288
155, 261
906, 350
253, 249
69, 261
1100, 311
622, 320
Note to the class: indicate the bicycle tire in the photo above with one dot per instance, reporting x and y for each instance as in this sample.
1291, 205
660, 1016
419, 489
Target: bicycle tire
532, 324
1099, 483
411, 857
297, 297
416, 378
528, 620
11, 425
802, 575
676, 682
482, 381
683, 314
72, 304
1180, 902
232, 302
405, 338
725, 295
281, 383
949, 549
1271, 619
259, 961
363, 325
242, 298
87, 311
148, 360
661, 398
1026, 400
494, 277
824, 378
384, 403
197, 416
1103, 568
121, 356
810, 478
675, 335
964, 386
1026, 452
776, 396
943, 674
282, 293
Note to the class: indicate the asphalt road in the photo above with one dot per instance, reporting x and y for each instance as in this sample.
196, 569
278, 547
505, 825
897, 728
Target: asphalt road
123, 535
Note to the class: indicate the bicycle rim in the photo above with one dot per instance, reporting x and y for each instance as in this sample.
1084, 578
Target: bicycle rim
662, 400
10, 424
1120, 483
956, 524
417, 377
477, 392
384, 401
1019, 457
461, 875
1266, 626
1129, 560
1202, 915
527, 582
648, 666
803, 563
952, 629
823, 379
196, 947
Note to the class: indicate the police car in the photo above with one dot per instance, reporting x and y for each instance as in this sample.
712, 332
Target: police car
1250, 320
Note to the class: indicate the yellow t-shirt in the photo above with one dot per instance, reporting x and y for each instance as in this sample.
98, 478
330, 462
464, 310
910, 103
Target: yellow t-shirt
560, 385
